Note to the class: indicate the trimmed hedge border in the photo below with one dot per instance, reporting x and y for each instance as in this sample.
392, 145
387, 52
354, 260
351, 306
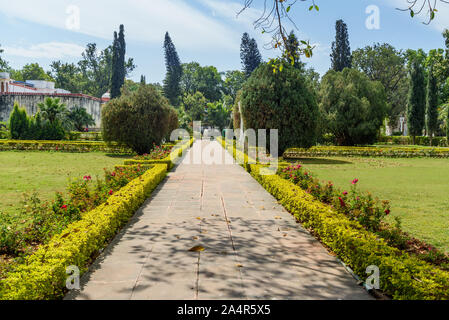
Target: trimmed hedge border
176, 153
61, 146
401, 275
389, 152
421, 141
43, 274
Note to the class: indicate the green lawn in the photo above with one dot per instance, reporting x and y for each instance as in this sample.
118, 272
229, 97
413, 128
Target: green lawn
46, 173
418, 189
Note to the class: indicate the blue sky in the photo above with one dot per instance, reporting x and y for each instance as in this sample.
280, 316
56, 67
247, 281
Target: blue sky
206, 31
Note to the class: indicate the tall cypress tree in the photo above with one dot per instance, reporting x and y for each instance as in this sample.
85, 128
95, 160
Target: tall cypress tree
118, 62
432, 104
143, 79
172, 88
416, 108
250, 55
115, 82
341, 51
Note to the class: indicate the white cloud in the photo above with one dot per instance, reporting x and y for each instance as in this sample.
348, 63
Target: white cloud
145, 21
49, 50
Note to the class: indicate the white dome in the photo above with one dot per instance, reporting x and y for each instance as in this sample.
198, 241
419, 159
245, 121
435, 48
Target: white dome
107, 95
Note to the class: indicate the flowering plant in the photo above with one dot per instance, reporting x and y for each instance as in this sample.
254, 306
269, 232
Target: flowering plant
158, 153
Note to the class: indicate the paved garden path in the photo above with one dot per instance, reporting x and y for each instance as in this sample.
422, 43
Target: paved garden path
254, 249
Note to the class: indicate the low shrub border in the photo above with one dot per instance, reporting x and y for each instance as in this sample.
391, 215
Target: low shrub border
168, 161
61, 146
43, 274
390, 152
421, 141
401, 276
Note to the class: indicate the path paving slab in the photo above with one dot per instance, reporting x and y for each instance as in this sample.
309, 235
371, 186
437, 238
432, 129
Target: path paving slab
247, 245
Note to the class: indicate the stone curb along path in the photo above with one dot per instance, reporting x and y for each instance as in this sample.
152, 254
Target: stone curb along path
212, 232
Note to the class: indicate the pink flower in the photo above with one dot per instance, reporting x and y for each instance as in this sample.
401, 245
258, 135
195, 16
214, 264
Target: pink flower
345, 193
355, 181
342, 202
87, 178
113, 174
111, 192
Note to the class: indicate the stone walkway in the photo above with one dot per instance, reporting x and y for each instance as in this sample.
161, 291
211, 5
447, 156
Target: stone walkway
254, 249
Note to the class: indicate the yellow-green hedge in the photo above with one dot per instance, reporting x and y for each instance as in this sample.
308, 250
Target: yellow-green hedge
390, 152
176, 153
43, 274
61, 146
242, 158
401, 275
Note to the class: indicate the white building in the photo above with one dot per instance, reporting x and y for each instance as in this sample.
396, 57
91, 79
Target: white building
8, 85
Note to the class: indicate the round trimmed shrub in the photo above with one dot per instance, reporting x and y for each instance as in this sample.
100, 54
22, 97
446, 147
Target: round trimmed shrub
281, 100
138, 119
353, 107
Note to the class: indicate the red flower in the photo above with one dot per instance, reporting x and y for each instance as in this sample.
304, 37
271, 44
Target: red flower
342, 203
113, 174
87, 178
64, 207
355, 181
111, 192
387, 212
345, 193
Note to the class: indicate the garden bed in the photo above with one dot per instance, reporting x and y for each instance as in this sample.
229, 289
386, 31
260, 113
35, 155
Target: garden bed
42, 275
402, 276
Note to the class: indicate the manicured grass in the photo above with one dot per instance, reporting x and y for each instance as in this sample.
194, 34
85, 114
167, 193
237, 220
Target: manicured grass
418, 189
46, 173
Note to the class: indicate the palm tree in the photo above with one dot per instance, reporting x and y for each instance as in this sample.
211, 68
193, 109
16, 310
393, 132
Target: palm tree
79, 118
52, 109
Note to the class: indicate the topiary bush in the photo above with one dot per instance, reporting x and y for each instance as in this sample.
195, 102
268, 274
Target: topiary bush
18, 123
281, 100
138, 119
353, 107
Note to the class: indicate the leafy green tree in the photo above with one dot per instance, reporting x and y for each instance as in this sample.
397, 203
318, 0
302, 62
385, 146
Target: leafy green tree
172, 90
233, 82
143, 80
341, 51
67, 76
118, 62
250, 55
281, 101
32, 71
352, 106
382, 62
137, 120
195, 106
52, 109
416, 108
18, 123
432, 105
206, 80
96, 70
218, 115
80, 118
